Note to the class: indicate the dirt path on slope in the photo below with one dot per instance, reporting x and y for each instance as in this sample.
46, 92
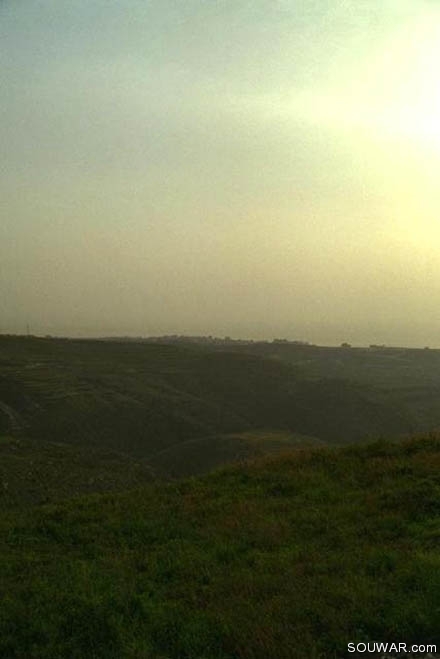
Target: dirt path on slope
15, 420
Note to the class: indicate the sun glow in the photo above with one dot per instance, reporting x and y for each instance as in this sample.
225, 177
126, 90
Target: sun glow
393, 93
415, 108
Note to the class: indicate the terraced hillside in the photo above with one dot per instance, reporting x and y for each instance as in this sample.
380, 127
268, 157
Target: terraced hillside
158, 402
406, 378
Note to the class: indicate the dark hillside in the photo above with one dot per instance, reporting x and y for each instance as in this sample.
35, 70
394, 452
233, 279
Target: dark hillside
401, 378
143, 399
33, 472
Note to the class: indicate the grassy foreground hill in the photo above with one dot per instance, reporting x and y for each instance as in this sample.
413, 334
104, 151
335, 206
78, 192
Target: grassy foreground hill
290, 557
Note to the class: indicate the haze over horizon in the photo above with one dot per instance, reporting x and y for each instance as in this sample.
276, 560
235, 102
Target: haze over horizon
254, 169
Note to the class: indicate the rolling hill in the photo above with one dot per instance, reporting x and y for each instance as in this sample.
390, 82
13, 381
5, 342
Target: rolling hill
149, 401
313, 538
291, 556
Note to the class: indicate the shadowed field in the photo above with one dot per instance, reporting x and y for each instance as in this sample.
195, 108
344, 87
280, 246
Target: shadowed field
199, 407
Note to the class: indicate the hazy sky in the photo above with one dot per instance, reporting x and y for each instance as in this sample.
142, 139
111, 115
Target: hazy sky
255, 168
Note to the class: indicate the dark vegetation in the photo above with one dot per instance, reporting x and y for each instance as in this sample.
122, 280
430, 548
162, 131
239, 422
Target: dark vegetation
288, 557
40, 472
149, 400
305, 545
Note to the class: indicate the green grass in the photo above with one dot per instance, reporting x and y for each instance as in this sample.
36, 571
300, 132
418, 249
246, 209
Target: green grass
289, 557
